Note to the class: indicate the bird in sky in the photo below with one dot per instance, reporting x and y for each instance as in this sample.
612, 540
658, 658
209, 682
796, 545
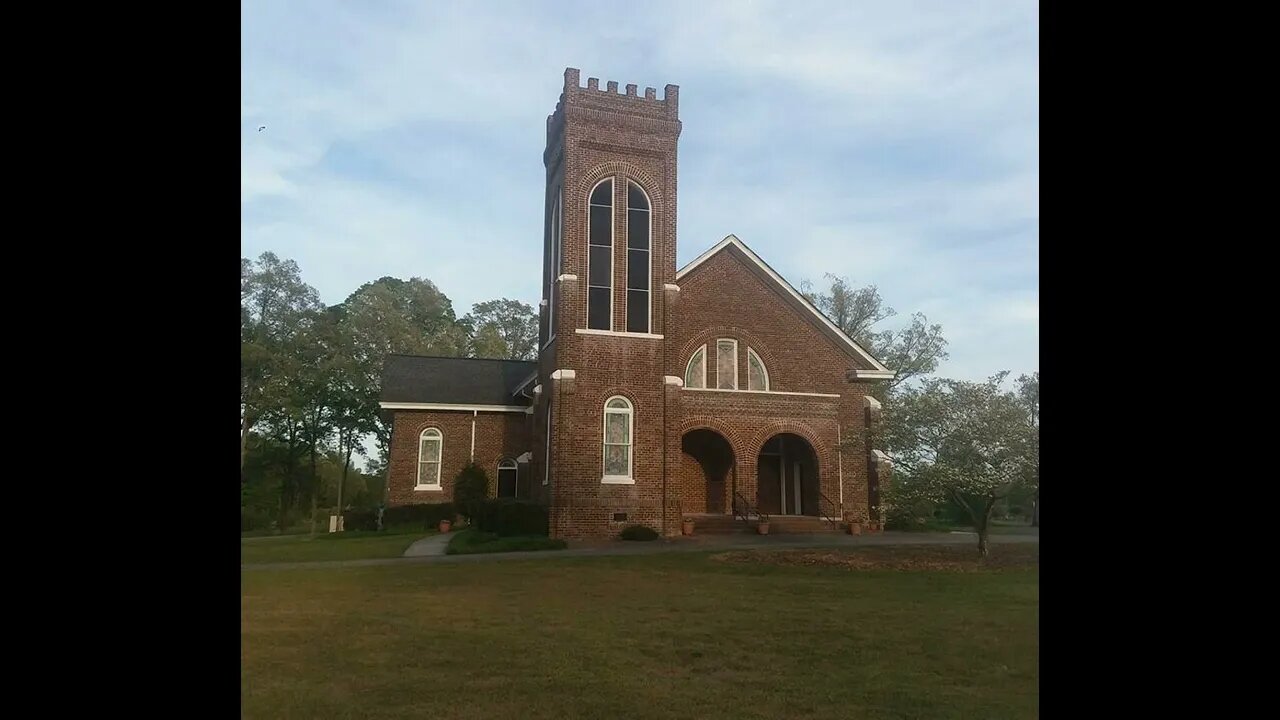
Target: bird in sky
261, 128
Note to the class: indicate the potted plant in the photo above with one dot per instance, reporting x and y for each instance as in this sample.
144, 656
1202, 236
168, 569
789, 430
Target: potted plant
686, 526
445, 524
855, 527
762, 526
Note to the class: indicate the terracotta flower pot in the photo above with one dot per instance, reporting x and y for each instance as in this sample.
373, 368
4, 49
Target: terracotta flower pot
686, 527
762, 528
445, 525
855, 528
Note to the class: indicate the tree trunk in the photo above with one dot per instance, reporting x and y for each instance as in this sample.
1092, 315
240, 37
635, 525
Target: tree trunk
244, 438
1035, 510
315, 489
287, 483
984, 528
346, 462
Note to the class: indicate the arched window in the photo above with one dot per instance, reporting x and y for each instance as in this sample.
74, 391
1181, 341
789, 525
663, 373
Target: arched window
695, 373
618, 416
508, 475
727, 364
638, 267
757, 376
600, 257
430, 450
553, 294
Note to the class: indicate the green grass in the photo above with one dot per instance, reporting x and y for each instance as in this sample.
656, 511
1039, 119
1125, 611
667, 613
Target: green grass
667, 635
351, 545
469, 542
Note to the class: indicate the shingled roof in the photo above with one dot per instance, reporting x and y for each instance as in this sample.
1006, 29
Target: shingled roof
469, 381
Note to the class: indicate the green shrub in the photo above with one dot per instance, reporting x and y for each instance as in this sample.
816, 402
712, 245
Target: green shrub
470, 489
638, 532
470, 542
506, 518
425, 517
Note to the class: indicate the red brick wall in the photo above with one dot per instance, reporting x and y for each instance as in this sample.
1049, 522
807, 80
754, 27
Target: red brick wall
799, 357
498, 435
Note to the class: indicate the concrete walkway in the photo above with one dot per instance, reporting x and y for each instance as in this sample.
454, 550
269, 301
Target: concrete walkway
700, 543
432, 546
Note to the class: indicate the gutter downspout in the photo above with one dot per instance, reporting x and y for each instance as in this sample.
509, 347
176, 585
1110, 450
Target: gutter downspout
840, 468
474, 415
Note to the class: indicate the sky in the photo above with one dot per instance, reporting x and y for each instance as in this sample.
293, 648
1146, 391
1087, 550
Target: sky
892, 143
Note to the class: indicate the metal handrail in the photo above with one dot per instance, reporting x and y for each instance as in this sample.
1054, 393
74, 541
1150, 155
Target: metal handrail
742, 508
834, 523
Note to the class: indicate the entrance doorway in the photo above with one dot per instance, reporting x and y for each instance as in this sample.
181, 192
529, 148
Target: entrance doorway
787, 480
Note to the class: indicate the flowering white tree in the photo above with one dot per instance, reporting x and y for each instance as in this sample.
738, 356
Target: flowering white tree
966, 441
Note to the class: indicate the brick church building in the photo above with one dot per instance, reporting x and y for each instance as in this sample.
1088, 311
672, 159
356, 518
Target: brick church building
714, 390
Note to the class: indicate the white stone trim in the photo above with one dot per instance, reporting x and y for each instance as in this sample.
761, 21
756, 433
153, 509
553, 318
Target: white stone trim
672, 380
448, 406
762, 392
881, 457
617, 333
671, 286
566, 276
730, 239
874, 374
564, 374
871, 403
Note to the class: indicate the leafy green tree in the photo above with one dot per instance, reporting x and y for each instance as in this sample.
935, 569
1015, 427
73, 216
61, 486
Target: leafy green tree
503, 328
274, 304
913, 351
964, 441
1028, 394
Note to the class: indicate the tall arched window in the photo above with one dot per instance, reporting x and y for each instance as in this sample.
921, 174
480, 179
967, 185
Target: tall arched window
618, 433
638, 267
727, 364
600, 257
508, 475
430, 447
695, 373
757, 376
553, 294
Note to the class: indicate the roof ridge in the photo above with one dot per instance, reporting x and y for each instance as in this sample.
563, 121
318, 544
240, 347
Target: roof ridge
455, 357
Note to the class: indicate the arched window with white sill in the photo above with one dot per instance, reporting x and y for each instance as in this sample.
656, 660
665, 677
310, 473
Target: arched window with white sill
757, 375
430, 450
619, 432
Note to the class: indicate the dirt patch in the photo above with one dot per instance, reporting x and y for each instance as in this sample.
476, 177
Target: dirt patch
958, 558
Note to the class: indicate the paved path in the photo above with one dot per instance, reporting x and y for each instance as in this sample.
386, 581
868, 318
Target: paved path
432, 546
702, 543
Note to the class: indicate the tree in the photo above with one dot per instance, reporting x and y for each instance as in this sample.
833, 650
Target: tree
470, 488
964, 441
274, 303
392, 316
1028, 394
911, 352
503, 328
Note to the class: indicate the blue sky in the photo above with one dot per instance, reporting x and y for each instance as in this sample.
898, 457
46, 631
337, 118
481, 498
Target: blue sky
895, 143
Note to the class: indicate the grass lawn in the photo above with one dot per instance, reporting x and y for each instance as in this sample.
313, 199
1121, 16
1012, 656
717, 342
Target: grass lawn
353, 545
470, 542
673, 635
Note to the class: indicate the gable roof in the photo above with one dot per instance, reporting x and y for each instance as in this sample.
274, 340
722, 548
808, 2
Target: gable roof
879, 373
470, 381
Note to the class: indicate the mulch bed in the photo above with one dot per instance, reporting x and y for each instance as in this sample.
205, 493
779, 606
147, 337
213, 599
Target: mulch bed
958, 558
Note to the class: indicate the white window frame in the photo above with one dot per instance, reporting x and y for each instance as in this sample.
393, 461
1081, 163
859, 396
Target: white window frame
613, 249
507, 464
648, 201
439, 460
701, 349
763, 368
735, 363
629, 411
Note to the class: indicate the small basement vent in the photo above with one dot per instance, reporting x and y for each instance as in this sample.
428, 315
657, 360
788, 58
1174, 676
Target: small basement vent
619, 517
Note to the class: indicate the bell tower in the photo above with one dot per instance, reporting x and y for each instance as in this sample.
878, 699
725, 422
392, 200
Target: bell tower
609, 265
